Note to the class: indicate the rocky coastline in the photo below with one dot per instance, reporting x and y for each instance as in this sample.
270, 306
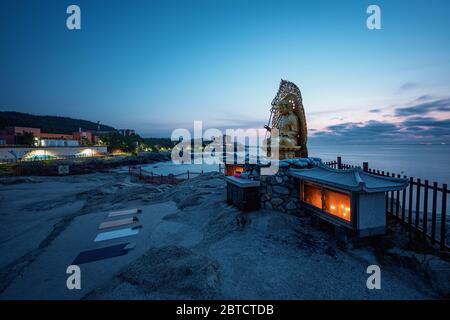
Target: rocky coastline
80, 165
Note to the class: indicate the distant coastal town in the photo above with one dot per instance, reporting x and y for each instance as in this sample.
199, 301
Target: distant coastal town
25, 137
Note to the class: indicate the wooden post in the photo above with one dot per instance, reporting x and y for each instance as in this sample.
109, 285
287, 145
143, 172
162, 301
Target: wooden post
188, 174
416, 224
425, 211
392, 203
411, 186
339, 162
387, 205
433, 213
443, 215
366, 166
403, 204
397, 202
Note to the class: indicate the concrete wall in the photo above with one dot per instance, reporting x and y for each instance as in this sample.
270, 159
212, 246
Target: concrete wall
372, 213
7, 153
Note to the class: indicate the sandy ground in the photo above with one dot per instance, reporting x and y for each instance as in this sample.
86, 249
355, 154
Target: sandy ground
192, 245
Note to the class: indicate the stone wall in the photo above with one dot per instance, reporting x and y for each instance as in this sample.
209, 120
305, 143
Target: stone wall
280, 192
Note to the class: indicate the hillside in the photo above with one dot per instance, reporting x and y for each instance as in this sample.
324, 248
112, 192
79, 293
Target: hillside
50, 124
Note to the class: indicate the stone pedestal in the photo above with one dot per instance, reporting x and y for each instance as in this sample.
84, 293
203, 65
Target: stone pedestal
280, 192
289, 152
286, 152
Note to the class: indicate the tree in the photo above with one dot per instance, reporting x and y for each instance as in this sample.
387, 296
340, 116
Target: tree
116, 141
27, 138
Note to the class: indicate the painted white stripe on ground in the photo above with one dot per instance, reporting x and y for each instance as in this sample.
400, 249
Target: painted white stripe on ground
116, 234
124, 212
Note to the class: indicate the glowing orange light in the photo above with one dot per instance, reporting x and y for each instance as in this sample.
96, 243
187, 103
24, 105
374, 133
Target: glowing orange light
337, 204
312, 195
334, 202
231, 170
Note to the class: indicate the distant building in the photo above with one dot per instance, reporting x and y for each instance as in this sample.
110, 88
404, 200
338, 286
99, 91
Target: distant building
58, 143
127, 132
55, 136
104, 132
11, 135
84, 136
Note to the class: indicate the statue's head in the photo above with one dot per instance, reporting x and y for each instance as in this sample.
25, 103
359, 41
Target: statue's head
284, 108
288, 92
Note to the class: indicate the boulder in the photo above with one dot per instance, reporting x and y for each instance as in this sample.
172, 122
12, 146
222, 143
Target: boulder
291, 205
277, 201
281, 190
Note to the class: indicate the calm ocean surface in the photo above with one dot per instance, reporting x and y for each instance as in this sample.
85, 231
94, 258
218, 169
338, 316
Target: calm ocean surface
430, 162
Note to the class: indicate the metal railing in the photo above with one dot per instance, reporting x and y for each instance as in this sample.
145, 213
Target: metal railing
150, 177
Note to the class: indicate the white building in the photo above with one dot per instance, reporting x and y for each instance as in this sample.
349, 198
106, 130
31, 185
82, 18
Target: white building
58, 143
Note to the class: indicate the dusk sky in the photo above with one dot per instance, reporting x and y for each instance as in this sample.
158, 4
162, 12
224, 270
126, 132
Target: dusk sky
159, 65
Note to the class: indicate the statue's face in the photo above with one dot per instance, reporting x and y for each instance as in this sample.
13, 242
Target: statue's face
284, 109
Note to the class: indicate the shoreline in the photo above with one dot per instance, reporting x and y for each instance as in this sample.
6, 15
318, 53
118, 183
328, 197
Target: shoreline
80, 165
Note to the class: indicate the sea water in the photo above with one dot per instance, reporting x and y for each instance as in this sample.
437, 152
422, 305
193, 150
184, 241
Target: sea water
431, 162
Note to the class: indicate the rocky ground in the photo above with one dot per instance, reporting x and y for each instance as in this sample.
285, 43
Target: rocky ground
193, 246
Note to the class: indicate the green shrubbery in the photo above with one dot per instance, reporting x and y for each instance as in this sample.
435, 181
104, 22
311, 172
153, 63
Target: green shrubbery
134, 143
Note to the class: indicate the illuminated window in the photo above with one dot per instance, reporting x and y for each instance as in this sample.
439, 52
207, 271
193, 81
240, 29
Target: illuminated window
231, 170
334, 202
337, 204
312, 195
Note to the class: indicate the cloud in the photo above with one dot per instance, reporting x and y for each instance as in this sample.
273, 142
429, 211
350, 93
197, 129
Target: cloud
424, 108
375, 110
408, 86
411, 130
426, 122
425, 97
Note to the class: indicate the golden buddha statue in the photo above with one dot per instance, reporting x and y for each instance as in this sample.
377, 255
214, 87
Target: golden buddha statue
288, 117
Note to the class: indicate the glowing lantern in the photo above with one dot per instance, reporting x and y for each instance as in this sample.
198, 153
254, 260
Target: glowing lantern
233, 169
351, 198
333, 202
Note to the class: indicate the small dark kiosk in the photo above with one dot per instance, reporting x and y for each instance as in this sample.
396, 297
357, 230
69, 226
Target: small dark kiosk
243, 193
351, 198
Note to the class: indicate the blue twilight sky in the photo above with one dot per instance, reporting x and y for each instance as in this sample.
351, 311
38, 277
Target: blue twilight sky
160, 65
